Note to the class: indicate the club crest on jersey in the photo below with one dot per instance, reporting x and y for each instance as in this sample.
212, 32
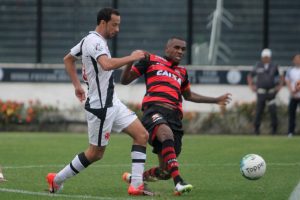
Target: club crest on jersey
99, 47
169, 74
107, 136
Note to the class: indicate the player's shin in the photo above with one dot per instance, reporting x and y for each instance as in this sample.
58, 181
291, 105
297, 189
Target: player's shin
169, 156
138, 156
79, 163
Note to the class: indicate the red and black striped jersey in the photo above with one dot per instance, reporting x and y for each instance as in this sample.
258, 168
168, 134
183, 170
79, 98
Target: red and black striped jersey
165, 82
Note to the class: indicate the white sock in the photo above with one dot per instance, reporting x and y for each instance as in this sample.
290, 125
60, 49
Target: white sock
78, 164
138, 156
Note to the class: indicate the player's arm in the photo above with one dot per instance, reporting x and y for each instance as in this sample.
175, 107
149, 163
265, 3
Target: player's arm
114, 63
69, 61
128, 75
197, 98
132, 72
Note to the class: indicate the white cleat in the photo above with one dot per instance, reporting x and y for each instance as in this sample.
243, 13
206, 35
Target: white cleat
182, 187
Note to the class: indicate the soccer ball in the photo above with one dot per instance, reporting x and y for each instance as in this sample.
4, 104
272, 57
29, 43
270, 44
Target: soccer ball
253, 166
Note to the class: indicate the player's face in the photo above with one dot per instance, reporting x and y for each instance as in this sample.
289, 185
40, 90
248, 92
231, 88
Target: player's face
266, 59
112, 26
175, 50
296, 61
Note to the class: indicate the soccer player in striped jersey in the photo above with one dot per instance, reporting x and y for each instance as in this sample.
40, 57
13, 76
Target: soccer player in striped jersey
105, 112
166, 83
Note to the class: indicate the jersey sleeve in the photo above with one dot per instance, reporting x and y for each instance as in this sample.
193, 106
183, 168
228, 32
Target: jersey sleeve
96, 47
141, 66
186, 83
76, 50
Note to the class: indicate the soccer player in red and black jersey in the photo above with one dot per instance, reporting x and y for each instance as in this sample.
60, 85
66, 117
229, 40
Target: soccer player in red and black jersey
166, 83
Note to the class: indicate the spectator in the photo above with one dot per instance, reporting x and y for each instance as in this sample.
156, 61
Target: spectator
292, 80
266, 85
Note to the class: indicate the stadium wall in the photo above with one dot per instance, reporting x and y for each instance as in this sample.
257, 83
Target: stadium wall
62, 95
50, 84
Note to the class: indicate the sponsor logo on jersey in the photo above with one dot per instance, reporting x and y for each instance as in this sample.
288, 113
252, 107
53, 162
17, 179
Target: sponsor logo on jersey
156, 117
169, 74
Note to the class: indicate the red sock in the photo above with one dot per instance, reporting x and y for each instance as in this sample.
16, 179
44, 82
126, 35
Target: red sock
169, 156
151, 172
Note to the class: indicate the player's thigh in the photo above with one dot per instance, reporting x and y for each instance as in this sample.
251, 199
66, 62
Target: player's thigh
137, 131
123, 117
164, 132
99, 128
94, 152
127, 121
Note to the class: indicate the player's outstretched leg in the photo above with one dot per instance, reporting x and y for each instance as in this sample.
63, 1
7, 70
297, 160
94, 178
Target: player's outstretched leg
138, 156
170, 159
79, 163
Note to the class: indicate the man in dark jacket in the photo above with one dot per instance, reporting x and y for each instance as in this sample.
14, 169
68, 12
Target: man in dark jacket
265, 81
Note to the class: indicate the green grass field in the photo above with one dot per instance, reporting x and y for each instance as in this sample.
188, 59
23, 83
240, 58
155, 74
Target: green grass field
210, 163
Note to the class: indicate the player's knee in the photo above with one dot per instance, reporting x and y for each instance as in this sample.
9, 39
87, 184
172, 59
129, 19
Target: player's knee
94, 154
163, 136
142, 137
164, 133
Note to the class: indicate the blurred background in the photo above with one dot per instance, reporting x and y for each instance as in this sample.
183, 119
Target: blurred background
224, 37
42, 31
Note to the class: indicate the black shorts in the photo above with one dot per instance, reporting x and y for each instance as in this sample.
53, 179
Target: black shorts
155, 115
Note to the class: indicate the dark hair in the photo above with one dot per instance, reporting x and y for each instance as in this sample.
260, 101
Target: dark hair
105, 14
175, 38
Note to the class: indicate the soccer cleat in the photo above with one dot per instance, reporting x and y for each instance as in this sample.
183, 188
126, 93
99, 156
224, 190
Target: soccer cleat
139, 191
53, 187
182, 187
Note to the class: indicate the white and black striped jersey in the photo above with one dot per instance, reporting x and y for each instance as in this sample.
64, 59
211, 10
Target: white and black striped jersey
100, 83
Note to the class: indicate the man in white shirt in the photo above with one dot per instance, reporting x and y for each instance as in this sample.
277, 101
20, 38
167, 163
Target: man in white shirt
292, 80
105, 112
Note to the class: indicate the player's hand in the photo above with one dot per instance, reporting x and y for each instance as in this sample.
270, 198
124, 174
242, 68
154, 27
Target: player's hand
137, 55
224, 99
80, 94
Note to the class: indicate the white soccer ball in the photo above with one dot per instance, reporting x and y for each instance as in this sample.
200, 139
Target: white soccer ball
253, 166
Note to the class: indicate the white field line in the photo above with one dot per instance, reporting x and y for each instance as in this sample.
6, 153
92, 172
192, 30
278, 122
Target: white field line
59, 195
128, 165
295, 195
